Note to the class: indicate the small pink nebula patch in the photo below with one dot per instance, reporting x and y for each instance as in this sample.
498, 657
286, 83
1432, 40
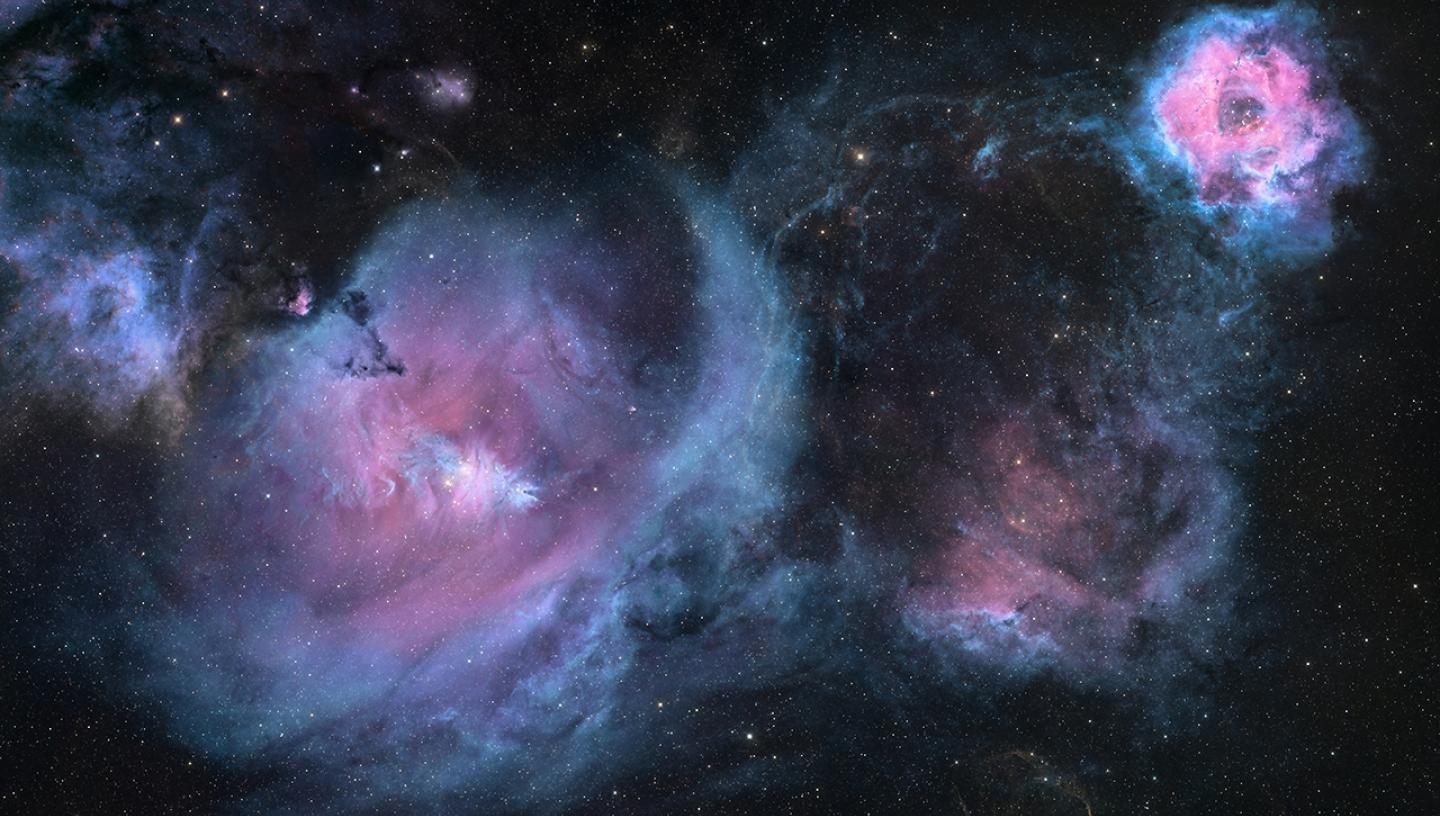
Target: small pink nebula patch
1246, 108
300, 302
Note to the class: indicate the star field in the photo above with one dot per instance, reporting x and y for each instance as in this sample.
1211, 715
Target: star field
636, 408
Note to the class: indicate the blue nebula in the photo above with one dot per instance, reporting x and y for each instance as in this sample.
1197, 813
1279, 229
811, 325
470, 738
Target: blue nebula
446, 578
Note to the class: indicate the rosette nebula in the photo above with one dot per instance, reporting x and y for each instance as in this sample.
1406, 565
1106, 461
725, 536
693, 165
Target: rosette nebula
1245, 102
747, 408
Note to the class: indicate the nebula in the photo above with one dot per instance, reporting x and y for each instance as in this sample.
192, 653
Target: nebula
1091, 513
92, 326
413, 410
1244, 103
429, 475
414, 500
1069, 541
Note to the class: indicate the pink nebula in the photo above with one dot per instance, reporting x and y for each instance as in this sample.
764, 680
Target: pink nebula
419, 469
1063, 538
1244, 114
300, 301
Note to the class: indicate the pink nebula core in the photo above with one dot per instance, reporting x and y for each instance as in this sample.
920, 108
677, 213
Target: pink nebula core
1246, 122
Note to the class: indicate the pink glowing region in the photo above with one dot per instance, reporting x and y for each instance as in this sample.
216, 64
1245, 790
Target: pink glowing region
416, 472
1246, 120
1061, 543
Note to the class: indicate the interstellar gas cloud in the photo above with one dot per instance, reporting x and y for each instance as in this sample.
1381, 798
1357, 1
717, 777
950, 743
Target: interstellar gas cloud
420, 408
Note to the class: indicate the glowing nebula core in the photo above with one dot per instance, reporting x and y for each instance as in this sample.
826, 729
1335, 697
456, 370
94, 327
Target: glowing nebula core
403, 498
